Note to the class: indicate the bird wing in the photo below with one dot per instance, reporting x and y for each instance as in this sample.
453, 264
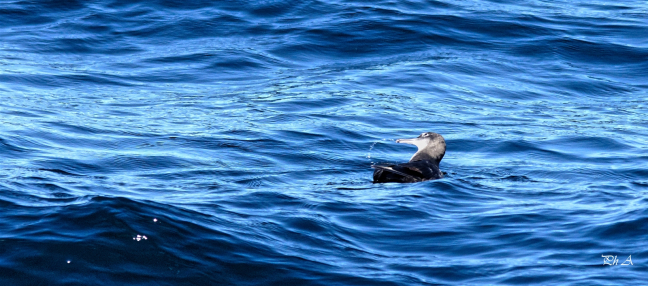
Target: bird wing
390, 169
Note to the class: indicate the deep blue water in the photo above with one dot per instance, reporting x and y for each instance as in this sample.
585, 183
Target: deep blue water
236, 139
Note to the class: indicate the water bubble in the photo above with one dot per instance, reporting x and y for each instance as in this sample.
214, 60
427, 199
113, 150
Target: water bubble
370, 148
374, 144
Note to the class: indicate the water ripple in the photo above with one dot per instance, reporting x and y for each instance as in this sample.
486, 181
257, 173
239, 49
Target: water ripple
200, 142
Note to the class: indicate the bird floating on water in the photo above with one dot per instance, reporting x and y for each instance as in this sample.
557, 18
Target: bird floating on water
423, 166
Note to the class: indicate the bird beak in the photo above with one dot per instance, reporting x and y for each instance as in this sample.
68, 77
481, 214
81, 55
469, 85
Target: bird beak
420, 143
407, 141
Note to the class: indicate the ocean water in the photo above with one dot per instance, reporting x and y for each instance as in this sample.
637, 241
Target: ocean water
165, 142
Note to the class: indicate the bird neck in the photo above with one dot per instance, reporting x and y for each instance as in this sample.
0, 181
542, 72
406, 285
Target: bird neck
423, 155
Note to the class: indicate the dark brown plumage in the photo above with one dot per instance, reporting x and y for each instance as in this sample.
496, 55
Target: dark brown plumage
423, 166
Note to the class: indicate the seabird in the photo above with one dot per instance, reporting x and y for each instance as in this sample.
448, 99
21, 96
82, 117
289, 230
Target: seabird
423, 166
